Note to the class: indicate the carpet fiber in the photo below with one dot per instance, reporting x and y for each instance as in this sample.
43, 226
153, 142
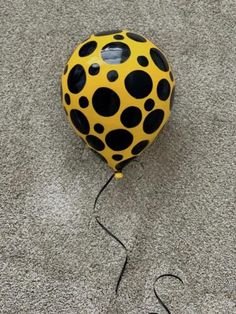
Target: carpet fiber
175, 215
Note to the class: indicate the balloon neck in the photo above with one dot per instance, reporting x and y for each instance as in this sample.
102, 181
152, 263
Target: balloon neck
118, 175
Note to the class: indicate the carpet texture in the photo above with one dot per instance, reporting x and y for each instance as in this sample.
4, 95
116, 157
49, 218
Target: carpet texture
175, 215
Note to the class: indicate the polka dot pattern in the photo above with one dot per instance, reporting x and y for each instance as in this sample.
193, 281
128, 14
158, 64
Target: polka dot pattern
131, 117
106, 102
76, 79
138, 84
117, 93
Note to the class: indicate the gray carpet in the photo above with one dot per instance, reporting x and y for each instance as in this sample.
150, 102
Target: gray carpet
177, 215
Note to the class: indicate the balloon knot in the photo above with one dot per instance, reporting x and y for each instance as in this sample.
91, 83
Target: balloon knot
118, 175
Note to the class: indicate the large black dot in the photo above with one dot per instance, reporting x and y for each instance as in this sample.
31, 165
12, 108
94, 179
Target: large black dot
99, 128
139, 147
112, 76
153, 120
106, 102
163, 89
131, 117
117, 157
95, 142
87, 48
136, 37
143, 61
67, 99
123, 163
119, 139
149, 104
83, 101
110, 32
115, 53
79, 121
76, 79
94, 69
172, 98
159, 59
138, 83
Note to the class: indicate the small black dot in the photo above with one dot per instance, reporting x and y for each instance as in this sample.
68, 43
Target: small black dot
143, 61
123, 163
172, 98
159, 59
119, 139
79, 121
95, 142
87, 48
115, 53
149, 104
171, 76
110, 32
99, 128
138, 83
66, 68
76, 79
83, 101
136, 37
153, 120
163, 89
112, 76
131, 117
138, 148
117, 157
118, 37
67, 99
106, 102
94, 69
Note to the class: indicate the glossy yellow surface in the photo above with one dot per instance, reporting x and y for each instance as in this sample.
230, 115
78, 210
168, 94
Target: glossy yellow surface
93, 82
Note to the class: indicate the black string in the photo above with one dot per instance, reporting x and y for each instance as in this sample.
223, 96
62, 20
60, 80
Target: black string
157, 296
112, 235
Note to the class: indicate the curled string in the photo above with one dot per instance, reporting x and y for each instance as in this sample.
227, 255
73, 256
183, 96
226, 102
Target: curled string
112, 235
157, 296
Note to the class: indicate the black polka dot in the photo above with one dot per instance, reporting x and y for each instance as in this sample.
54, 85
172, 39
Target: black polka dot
138, 83
76, 79
139, 147
118, 37
94, 69
117, 157
171, 76
136, 37
172, 98
153, 121
112, 76
95, 142
66, 68
106, 102
83, 102
65, 111
110, 32
163, 89
119, 139
79, 121
123, 163
149, 104
87, 48
159, 59
67, 99
99, 128
131, 117
143, 61
115, 53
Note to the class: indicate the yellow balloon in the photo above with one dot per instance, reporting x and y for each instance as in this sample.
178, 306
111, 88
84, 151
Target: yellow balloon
117, 92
